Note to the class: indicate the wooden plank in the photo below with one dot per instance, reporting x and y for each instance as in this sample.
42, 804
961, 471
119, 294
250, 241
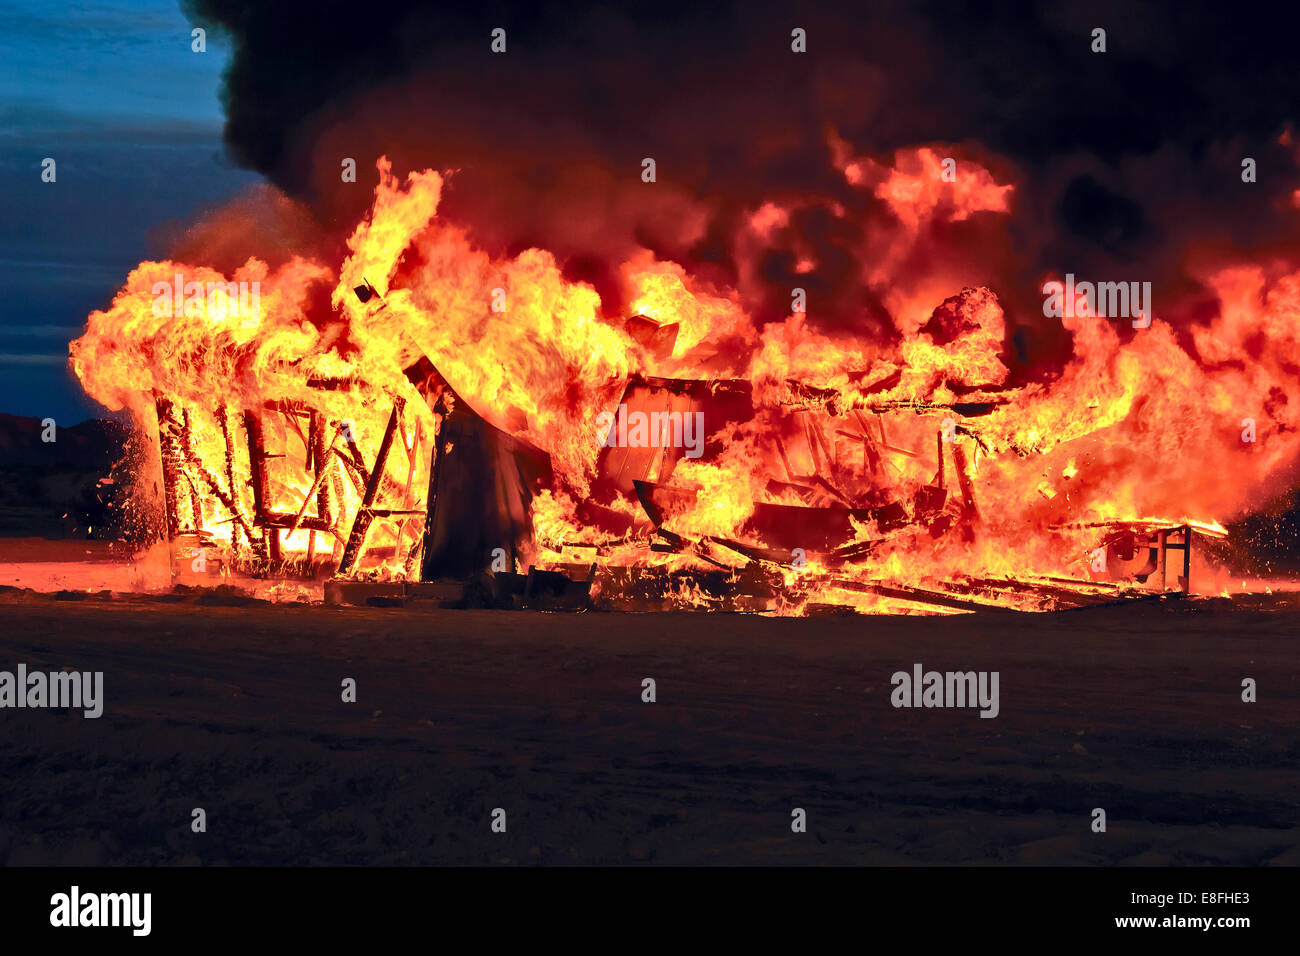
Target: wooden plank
364, 516
170, 454
257, 468
919, 595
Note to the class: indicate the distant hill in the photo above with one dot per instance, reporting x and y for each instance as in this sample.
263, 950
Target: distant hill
53, 489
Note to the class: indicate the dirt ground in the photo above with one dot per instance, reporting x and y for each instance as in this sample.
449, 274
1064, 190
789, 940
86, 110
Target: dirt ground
237, 710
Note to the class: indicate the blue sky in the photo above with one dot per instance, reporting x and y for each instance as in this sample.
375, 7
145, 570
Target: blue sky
112, 91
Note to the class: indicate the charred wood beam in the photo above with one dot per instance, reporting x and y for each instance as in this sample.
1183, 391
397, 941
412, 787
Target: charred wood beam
672, 543
1058, 595
856, 551
335, 384
1081, 582
695, 387
322, 474
170, 453
322, 463
969, 510
183, 436
288, 406
359, 475
336, 485
412, 456
223, 416
210, 480
257, 470
755, 552
196, 509
357, 460
919, 595
357, 470
799, 395
361, 478
1142, 526
412, 459
401, 433
413, 557
253, 428
288, 522
361, 523
186, 463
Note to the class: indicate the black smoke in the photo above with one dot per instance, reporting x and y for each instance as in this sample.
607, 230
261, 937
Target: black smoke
1126, 163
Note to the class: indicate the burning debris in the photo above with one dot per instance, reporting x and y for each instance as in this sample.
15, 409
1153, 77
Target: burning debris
460, 428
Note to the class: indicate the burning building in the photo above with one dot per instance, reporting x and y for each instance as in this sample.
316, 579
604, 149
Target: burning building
454, 423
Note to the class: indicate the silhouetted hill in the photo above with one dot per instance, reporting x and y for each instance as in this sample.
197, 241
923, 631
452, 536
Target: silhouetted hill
54, 489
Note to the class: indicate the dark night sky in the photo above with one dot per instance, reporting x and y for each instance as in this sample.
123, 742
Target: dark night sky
111, 91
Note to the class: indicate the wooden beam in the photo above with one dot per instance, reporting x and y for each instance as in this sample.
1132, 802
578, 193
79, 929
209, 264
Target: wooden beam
322, 474
167, 447
223, 416
321, 462
361, 523
257, 468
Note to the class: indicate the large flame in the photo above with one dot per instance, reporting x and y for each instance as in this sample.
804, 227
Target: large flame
1148, 425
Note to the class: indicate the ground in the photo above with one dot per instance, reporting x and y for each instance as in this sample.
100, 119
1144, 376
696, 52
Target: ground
237, 709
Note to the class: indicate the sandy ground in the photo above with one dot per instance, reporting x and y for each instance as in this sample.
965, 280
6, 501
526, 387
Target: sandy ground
237, 710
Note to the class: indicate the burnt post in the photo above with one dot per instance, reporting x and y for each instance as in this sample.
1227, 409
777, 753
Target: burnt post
365, 513
257, 469
170, 451
223, 417
320, 463
1162, 555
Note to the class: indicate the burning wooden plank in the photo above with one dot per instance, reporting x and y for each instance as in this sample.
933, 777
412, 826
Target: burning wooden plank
366, 513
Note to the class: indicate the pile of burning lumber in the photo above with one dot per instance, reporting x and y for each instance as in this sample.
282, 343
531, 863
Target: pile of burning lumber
449, 519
